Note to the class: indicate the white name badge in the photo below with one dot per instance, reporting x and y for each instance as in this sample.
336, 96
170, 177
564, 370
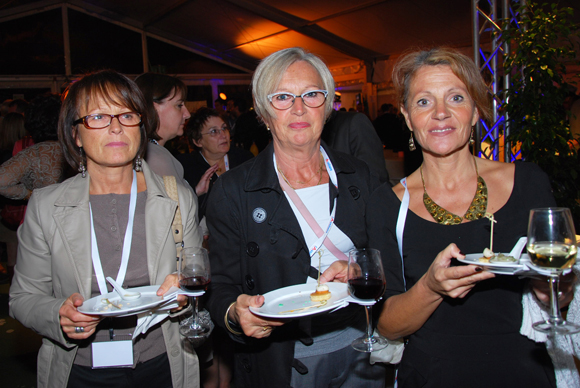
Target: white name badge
108, 354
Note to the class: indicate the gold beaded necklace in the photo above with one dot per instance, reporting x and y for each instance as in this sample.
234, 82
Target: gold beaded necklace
475, 211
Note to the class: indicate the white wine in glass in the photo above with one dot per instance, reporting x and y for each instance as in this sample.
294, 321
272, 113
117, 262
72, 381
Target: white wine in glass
552, 246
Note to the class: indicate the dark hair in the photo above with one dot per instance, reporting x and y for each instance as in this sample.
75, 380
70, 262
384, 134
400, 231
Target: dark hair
197, 121
156, 88
11, 130
19, 104
115, 89
462, 66
41, 118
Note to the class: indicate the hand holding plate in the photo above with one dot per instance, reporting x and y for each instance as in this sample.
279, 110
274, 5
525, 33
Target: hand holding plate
455, 282
251, 324
74, 324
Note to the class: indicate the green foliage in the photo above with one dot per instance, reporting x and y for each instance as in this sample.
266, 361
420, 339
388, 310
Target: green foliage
539, 47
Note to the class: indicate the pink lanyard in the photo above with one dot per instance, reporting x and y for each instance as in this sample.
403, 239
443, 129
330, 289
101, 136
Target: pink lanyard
322, 235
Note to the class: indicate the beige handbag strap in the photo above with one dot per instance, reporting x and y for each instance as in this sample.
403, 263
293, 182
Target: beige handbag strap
177, 226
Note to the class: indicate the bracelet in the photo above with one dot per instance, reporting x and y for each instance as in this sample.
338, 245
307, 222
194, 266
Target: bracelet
226, 320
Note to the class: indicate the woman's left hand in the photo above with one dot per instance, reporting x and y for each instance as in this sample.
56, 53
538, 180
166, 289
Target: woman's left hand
172, 281
202, 186
542, 289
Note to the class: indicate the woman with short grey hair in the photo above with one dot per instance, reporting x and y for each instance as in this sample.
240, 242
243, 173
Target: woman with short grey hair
272, 244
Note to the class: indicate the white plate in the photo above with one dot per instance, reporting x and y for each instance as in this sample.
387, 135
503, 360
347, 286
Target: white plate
497, 268
282, 302
148, 299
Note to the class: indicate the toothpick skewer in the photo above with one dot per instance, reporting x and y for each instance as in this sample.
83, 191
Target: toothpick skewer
492, 221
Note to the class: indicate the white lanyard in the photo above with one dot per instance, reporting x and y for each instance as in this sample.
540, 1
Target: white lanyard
226, 160
126, 243
322, 235
403, 209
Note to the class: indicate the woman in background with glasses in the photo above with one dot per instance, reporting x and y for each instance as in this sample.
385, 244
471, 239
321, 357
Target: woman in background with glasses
214, 154
260, 241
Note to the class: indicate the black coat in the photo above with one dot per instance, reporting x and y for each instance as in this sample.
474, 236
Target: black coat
354, 134
194, 166
253, 255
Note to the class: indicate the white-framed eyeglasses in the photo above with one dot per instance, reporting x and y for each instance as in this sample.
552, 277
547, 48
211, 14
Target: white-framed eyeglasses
285, 100
216, 131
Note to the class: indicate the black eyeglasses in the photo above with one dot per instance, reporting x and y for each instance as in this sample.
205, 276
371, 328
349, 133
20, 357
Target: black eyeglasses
103, 120
285, 100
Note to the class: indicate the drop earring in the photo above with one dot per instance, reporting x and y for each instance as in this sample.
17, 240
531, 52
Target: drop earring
82, 169
138, 164
472, 137
412, 143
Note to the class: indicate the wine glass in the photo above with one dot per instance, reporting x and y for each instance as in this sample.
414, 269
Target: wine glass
552, 246
366, 280
194, 277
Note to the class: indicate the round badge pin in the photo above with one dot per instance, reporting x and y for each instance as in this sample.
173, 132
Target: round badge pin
259, 215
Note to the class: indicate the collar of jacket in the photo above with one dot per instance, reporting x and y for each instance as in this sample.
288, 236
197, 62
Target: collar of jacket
262, 174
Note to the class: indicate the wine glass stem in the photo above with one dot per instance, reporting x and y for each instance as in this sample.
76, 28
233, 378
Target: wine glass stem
555, 315
369, 314
195, 323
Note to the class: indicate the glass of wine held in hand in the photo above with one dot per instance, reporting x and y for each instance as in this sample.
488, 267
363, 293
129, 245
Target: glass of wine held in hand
194, 276
552, 246
366, 281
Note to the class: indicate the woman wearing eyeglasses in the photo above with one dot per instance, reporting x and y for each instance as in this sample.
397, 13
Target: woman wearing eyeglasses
214, 154
112, 219
260, 241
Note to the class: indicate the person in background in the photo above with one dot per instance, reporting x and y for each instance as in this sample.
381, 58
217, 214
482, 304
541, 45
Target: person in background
235, 107
5, 108
118, 200
11, 130
251, 133
462, 323
165, 97
260, 242
39, 164
213, 155
390, 129
18, 105
353, 134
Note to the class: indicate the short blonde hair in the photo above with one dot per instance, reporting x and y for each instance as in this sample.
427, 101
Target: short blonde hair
269, 73
462, 66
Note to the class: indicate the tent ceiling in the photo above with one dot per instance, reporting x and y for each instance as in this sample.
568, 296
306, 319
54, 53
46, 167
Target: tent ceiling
241, 32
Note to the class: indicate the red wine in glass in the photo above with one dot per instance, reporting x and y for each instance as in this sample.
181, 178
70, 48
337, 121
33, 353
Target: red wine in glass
194, 283
194, 276
366, 279
367, 288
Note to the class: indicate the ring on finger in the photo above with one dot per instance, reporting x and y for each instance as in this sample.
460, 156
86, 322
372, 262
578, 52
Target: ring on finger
266, 328
79, 329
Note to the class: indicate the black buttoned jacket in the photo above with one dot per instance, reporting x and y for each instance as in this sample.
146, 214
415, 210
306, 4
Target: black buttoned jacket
256, 246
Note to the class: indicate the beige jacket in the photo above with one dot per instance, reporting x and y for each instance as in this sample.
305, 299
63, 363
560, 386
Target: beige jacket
54, 261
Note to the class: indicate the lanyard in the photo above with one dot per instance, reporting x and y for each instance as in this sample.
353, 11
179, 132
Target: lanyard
403, 210
226, 160
322, 235
126, 243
